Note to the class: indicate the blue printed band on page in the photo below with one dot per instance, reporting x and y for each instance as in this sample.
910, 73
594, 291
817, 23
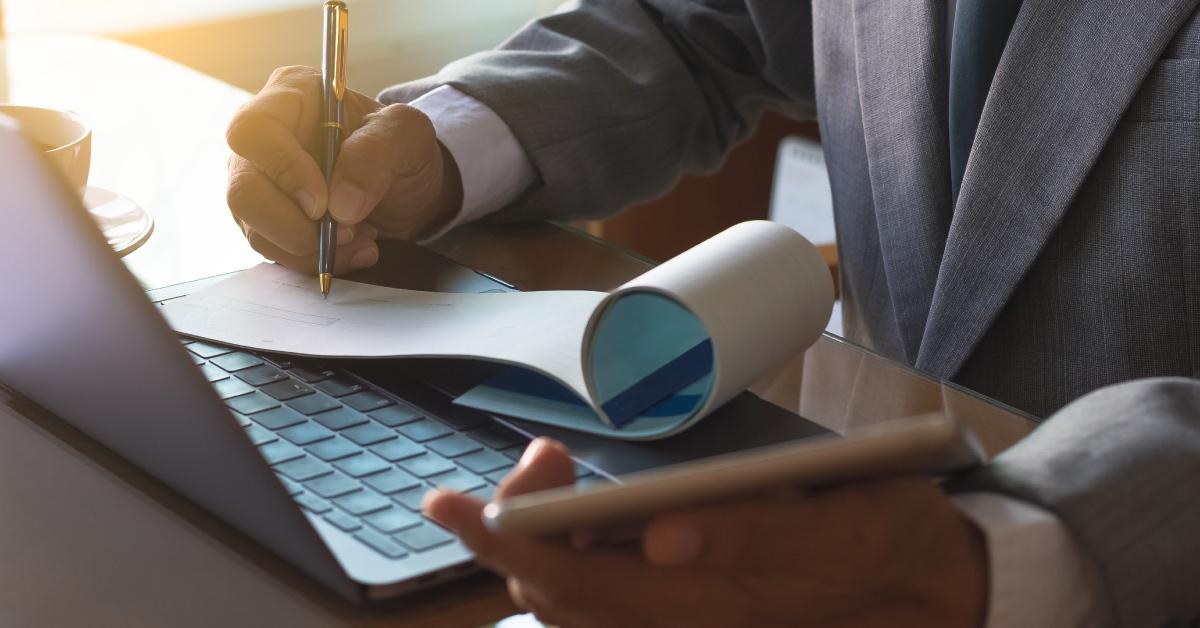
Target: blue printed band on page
661, 384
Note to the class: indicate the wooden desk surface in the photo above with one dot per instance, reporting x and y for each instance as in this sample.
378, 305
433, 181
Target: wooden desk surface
85, 539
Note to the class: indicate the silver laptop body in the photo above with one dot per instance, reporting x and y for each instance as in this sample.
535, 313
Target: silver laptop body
80, 338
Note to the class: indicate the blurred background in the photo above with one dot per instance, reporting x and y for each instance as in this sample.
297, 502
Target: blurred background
241, 42
394, 41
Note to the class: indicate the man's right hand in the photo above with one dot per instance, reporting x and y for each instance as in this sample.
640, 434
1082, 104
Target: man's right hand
393, 178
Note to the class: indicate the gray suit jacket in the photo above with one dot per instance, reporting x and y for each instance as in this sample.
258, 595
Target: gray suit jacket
1070, 262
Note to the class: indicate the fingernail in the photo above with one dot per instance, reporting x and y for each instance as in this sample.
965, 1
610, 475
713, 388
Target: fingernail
308, 203
345, 234
428, 498
532, 450
365, 257
346, 203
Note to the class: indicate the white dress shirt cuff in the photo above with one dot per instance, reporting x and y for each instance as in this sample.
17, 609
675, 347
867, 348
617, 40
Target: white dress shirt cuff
494, 168
1038, 576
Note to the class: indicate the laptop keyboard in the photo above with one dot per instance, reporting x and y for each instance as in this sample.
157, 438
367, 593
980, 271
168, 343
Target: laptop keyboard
359, 459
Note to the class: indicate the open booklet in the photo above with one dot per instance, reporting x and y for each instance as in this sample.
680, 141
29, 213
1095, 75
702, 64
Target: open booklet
644, 361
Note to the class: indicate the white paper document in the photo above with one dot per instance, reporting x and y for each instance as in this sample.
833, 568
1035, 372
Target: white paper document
271, 308
645, 361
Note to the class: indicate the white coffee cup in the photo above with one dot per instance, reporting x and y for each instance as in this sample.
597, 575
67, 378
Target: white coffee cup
62, 136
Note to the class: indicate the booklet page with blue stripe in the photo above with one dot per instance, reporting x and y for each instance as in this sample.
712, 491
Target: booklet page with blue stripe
644, 361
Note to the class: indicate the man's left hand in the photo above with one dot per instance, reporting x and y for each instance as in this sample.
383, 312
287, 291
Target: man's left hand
891, 552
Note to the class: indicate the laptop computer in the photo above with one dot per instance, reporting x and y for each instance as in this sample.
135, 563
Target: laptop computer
323, 463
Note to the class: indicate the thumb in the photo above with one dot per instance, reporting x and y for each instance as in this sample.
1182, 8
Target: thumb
395, 142
545, 464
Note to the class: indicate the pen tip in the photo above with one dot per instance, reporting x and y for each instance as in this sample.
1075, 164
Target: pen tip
326, 280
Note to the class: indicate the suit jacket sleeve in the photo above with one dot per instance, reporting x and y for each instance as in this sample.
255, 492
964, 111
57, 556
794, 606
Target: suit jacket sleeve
613, 100
1121, 469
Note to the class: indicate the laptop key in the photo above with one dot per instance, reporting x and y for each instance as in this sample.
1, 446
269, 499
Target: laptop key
197, 360
305, 433
312, 404
391, 481
287, 389
280, 451
380, 543
313, 504
339, 386
332, 485
410, 498
364, 463
261, 375
259, 436
278, 360
368, 434
205, 350
423, 430
310, 374
393, 519
303, 469
367, 401
484, 494
343, 521
484, 461
423, 537
397, 449
457, 480
212, 373
340, 419
251, 403
514, 453
233, 362
279, 418
232, 387
362, 502
333, 449
495, 476
498, 437
241, 419
395, 416
426, 465
293, 488
454, 445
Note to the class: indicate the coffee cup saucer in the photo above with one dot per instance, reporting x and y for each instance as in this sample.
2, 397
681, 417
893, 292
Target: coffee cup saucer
125, 224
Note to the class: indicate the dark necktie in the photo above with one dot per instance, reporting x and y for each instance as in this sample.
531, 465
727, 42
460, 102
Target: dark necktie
981, 29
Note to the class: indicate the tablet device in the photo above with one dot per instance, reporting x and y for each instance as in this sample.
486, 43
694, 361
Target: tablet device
930, 443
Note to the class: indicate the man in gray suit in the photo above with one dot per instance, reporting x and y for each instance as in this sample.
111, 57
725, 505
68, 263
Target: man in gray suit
1018, 210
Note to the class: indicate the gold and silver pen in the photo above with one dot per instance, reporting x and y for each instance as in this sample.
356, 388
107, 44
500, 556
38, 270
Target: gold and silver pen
333, 90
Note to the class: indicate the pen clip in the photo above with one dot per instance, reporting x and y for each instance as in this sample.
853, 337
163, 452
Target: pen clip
333, 68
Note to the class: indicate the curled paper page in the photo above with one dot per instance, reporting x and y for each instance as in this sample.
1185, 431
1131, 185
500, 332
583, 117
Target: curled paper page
645, 361
699, 329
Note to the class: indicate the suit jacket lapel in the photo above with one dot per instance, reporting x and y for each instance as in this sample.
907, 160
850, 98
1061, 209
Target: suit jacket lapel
1068, 73
902, 81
